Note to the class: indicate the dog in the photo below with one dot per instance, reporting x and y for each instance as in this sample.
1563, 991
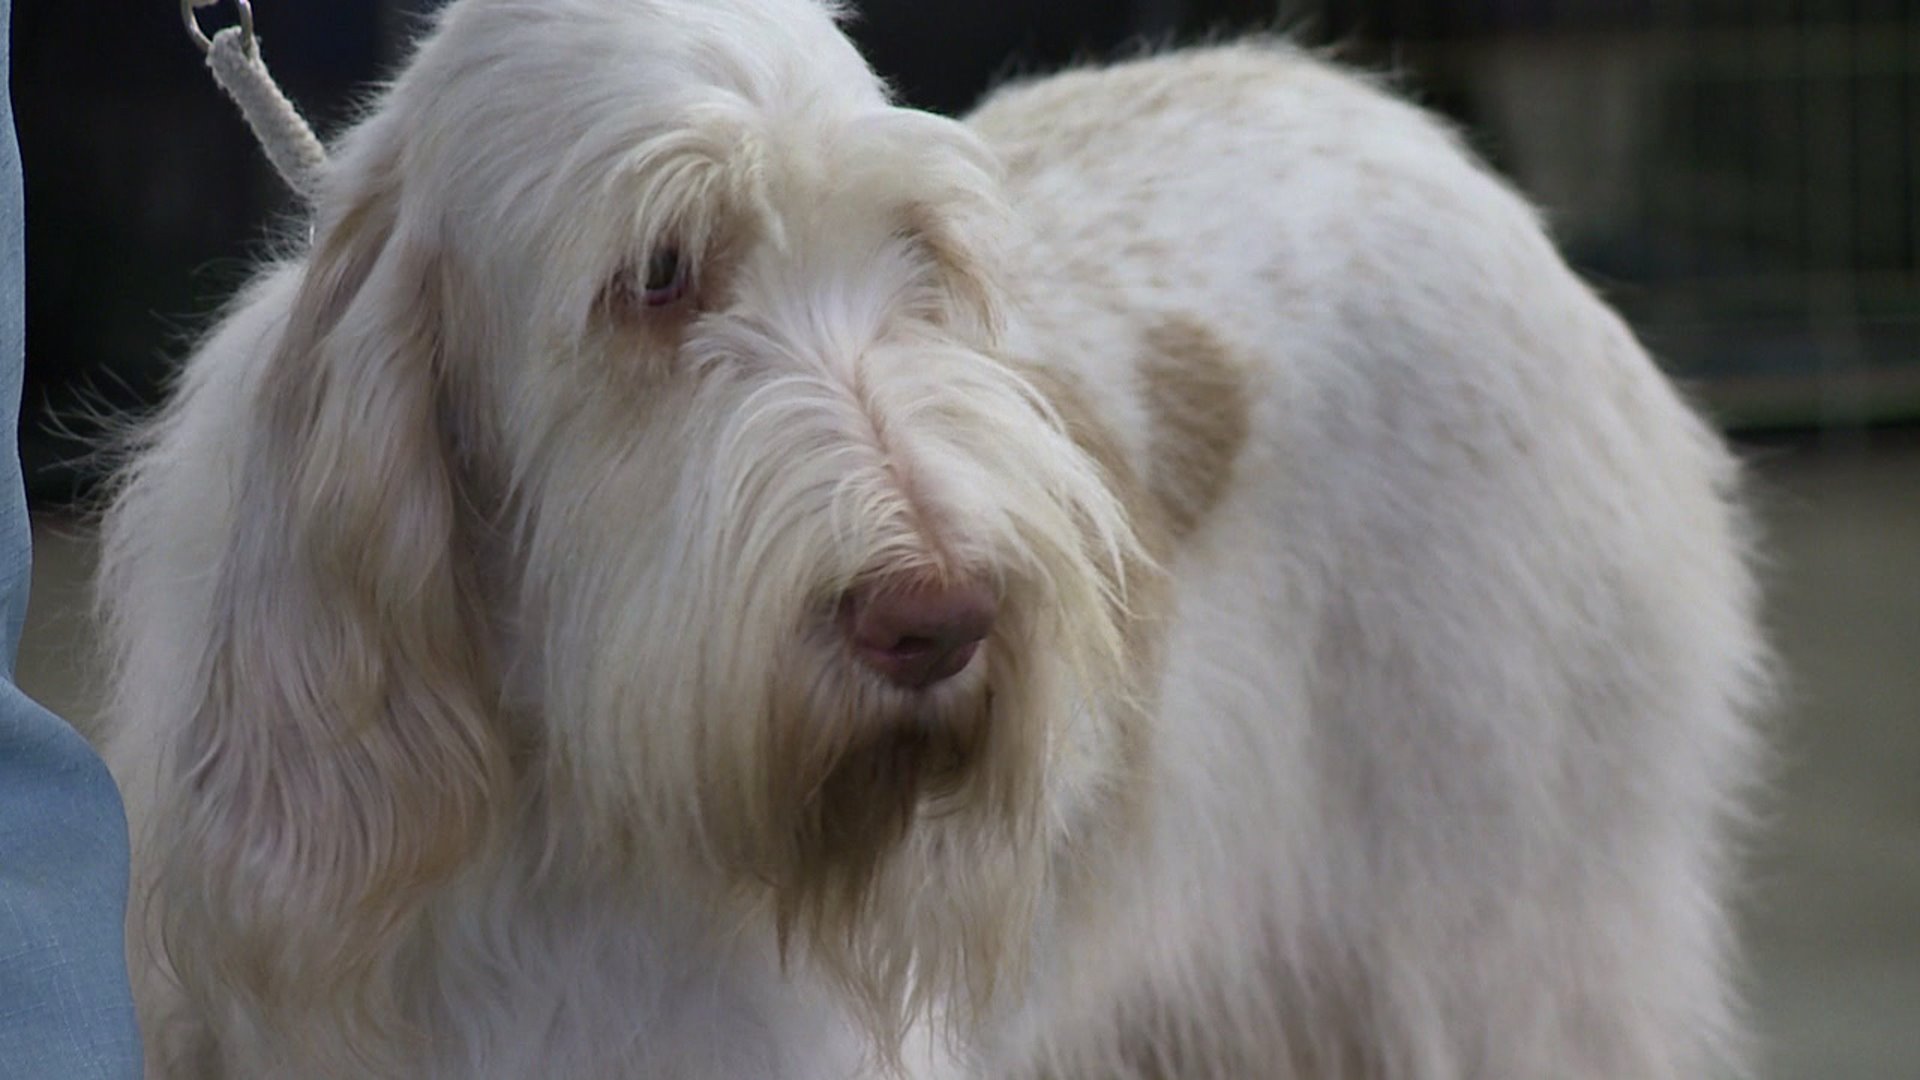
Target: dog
698, 571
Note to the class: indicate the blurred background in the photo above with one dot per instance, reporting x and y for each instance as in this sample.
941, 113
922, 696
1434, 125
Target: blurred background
1741, 177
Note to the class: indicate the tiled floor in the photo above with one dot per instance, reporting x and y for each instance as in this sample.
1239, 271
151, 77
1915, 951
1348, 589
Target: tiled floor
1835, 915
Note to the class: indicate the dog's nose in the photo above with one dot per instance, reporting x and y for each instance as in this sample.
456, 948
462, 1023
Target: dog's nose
917, 635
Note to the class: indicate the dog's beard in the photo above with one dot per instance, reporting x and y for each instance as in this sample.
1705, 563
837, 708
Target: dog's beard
893, 841
857, 759
903, 855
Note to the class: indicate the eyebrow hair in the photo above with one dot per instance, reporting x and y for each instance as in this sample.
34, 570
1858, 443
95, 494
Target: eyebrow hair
688, 178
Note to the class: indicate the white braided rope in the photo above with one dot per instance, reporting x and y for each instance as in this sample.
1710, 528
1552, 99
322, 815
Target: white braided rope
234, 58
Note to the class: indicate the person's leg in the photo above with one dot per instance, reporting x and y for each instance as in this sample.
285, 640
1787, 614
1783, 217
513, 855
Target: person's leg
65, 1009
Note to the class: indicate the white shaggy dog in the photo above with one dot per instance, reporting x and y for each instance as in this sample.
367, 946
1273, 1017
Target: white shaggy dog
702, 573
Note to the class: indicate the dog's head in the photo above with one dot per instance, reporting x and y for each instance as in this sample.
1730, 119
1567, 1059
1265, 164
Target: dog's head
649, 440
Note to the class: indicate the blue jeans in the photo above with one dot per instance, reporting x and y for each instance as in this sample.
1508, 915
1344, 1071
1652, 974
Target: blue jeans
65, 1010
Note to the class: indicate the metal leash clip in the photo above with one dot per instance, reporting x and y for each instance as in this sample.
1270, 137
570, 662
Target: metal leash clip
200, 38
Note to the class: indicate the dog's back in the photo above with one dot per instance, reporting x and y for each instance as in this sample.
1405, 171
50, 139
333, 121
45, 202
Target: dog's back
1457, 709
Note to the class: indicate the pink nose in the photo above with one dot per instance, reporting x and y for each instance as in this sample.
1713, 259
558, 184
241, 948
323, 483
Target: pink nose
919, 635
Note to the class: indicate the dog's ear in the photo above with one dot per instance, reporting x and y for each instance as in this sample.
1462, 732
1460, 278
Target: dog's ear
347, 754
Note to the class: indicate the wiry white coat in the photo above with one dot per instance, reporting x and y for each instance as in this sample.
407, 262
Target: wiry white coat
445, 595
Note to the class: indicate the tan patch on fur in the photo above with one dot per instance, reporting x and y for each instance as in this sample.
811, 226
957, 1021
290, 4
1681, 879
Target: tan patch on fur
1196, 399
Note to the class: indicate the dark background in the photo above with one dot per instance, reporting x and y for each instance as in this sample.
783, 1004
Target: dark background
1739, 176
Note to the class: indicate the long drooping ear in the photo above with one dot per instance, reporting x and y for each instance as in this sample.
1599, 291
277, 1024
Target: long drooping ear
346, 754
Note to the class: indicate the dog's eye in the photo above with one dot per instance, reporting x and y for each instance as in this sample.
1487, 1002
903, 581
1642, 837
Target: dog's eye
667, 278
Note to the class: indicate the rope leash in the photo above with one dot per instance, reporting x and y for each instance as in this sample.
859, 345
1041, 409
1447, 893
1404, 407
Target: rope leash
233, 55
